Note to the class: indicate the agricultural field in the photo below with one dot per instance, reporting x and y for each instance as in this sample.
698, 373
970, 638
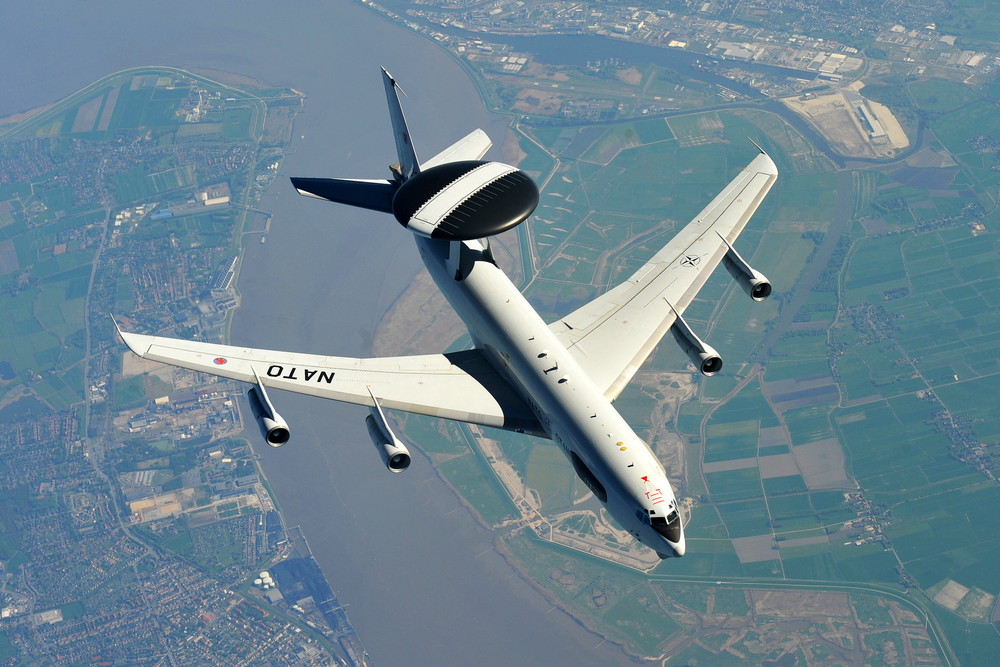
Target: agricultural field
542, 92
804, 459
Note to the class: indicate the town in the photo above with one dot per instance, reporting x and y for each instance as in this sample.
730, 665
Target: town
136, 523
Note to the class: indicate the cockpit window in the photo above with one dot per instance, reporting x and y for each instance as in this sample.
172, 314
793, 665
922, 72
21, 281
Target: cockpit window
669, 526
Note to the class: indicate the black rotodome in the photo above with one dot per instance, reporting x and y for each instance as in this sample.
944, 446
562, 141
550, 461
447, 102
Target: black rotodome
498, 206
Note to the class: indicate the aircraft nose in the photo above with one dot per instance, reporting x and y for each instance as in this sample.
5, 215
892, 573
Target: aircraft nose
676, 550
680, 548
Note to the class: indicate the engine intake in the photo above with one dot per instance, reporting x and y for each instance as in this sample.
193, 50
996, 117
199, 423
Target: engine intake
753, 282
394, 453
701, 354
272, 426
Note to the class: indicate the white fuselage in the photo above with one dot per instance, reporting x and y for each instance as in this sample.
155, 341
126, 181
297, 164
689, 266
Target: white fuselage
617, 465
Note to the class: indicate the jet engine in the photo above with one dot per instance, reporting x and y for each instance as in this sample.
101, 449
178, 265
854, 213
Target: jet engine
701, 354
272, 426
394, 453
753, 282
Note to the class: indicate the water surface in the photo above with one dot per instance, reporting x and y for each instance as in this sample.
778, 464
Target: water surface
419, 577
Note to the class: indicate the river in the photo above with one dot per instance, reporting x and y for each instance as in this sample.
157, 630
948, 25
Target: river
419, 577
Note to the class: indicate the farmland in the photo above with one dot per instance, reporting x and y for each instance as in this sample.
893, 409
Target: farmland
848, 424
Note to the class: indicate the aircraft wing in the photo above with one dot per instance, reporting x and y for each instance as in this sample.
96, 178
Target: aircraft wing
612, 335
460, 385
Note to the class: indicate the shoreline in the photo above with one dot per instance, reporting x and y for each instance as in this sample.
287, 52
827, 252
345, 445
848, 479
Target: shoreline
21, 116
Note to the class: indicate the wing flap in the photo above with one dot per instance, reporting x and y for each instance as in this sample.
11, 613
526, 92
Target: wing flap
461, 386
614, 334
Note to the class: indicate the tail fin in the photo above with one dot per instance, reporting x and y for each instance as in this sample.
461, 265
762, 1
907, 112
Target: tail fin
408, 164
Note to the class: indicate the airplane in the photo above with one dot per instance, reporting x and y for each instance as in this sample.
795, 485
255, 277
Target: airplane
555, 380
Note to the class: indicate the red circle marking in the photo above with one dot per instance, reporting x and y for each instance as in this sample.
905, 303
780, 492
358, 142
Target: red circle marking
220, 360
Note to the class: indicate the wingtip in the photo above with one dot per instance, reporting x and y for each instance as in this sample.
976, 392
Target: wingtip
763, 162
131, 340
391, 80
299, 181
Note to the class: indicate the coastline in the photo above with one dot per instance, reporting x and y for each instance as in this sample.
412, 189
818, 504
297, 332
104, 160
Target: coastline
21, 116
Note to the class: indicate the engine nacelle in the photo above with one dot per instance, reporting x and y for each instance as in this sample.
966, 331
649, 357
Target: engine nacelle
394, 453
272, 426
701, 354
753, 282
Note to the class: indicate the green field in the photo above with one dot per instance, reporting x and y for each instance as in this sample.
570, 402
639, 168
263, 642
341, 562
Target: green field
906, 306
899, 336
551, 475
478, 485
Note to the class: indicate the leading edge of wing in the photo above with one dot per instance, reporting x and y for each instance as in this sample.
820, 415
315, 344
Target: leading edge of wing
459, 385
612, 335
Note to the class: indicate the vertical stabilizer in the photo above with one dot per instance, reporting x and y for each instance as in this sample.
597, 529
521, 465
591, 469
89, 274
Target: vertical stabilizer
408, 165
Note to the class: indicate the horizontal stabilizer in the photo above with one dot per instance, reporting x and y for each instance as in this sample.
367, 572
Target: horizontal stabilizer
371, 194
472, 146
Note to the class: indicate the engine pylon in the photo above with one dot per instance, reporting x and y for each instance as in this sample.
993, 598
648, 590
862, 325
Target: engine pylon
272, 426
394, 453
